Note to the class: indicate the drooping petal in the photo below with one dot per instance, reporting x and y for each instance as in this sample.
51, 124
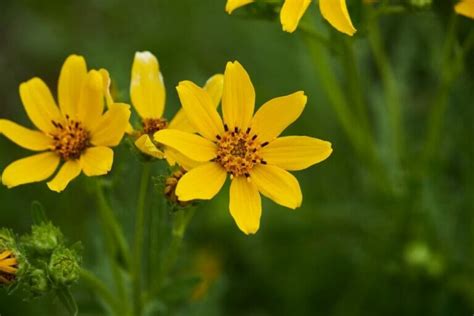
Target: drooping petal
193, 146
30, 169
336, 13
107, 82
147, 89
278, 185
146, 146
296, 152
292, 12
68, 172
111, 126
91, 101
97, 161
231, 5
72, 77
24, 137
201, 183
39, 104
245, 205
466, 8
200, 110
277, 114
175, 157
238, 98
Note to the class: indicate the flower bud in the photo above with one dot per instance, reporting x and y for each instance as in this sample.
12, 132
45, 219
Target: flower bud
11, 260
44, 238
170, 187
64, 266
38, 282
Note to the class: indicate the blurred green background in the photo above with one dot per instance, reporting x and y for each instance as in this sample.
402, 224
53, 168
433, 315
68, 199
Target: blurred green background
354, 247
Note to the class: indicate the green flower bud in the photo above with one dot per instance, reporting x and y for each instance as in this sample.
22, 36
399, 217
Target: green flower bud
37, 282
64, 266
44, 238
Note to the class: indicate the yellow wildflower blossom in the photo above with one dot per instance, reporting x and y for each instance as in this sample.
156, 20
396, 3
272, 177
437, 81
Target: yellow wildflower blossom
147, 91
334, 11
243, 145
77, 132
466, 8
8, 267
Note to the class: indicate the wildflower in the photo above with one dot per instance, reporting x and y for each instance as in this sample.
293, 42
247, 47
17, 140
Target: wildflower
8, 267
77, 132
466, 8
334, 11
246, 148
147, 92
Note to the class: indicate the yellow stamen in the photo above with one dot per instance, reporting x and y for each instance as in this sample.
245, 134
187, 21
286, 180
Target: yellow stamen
238, 151
70, 140
151, 125
8, 267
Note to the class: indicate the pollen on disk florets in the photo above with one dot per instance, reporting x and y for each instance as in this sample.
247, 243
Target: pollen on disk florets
70, 139
239, 151
153, 125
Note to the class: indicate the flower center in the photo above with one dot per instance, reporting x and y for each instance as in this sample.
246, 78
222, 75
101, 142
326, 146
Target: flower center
70, 140
238, 151
152, 125
8, 267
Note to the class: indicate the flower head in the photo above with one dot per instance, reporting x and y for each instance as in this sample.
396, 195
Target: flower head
148, 94
77, 133
244, 146
466, 8
334, 11
9, 258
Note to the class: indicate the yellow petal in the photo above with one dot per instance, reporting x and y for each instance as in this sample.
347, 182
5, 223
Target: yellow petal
107, 82
39, 104
192, 146
147, 89
466, 8
72, 77
5, 254
231, 5
296, 152
24, 137
30, 169
111, 126
201, 183
278, 185
175, 157
245, 205
200, 110
180, 121
215, 87
277, 114
238, 99
97, 161
291, 14
69, 171
91, 101
146, 146
335, 12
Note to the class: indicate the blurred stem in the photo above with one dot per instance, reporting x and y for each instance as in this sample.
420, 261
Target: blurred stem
180, 225
389, 83
115, 243
99, 288
139, 238
451, 67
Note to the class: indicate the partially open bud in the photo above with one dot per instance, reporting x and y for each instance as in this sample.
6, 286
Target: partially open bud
10, 260
64, 266
170, 187
44, 238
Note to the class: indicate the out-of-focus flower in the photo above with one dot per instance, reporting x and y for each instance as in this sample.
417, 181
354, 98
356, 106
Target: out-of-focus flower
77, 132
245, 147
147, 92
465, 8
334, 11
208, 266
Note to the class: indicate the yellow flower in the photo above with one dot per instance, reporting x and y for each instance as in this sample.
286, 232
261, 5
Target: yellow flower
244, 146
8, 267
77, 132
334, 11
466, 8
147, 92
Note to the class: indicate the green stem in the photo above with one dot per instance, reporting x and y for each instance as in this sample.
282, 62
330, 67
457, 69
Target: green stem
113, 235
99, 288
139, 238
